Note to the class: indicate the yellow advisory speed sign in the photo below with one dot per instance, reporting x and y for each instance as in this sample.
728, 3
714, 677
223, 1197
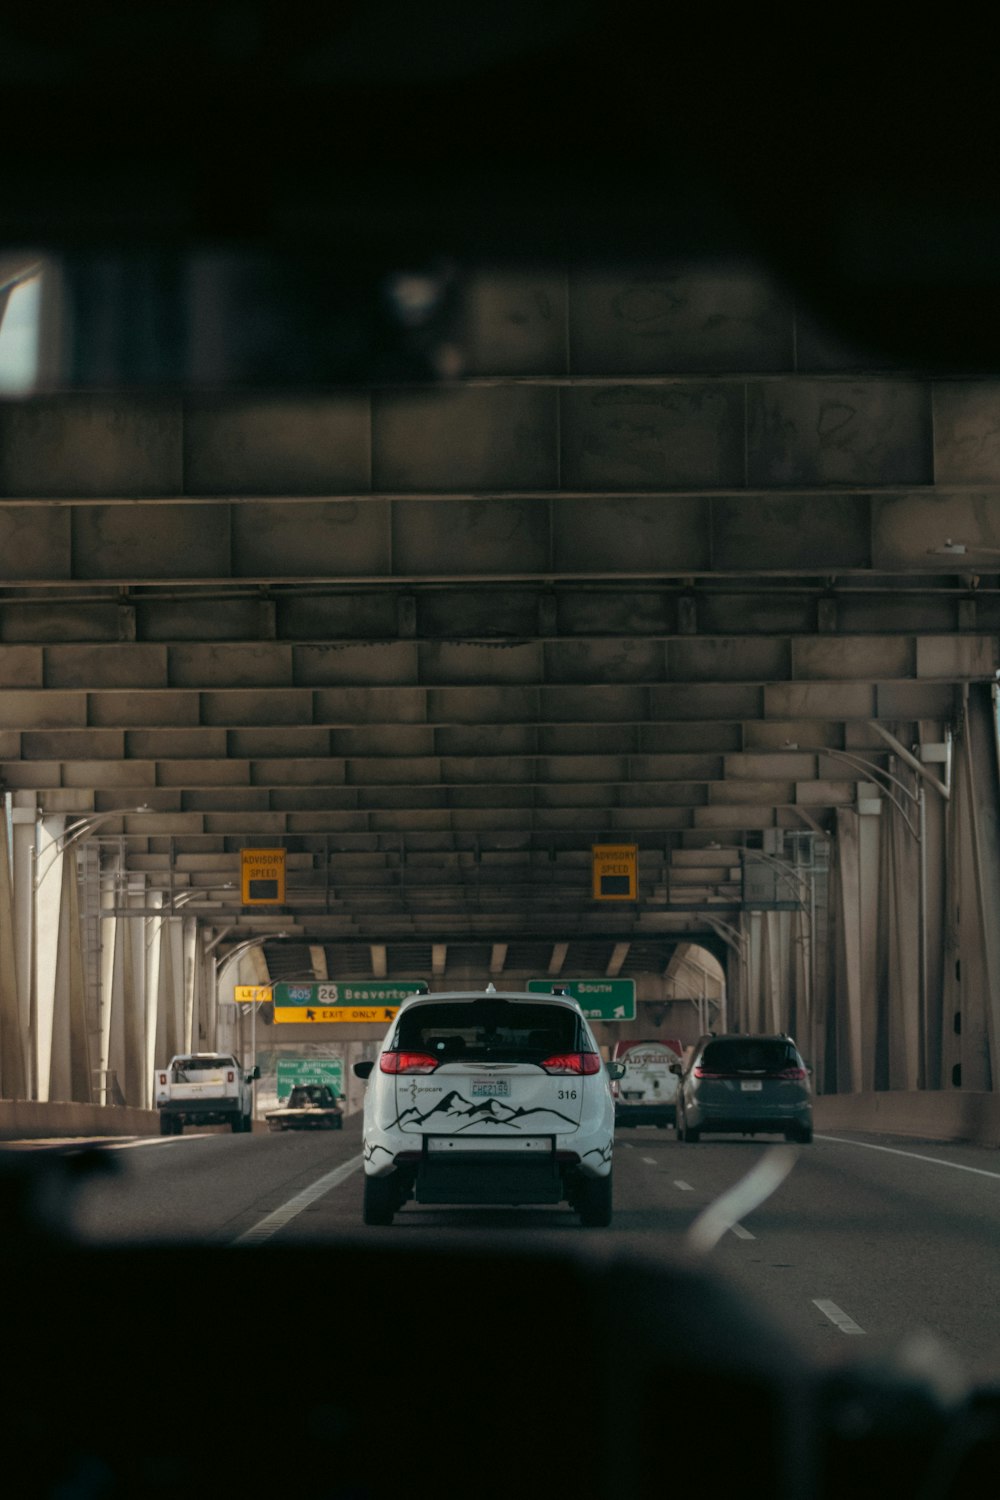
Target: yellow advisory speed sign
615, 871
262, 877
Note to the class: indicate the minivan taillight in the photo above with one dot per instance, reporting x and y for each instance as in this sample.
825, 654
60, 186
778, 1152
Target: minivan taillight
408, 1062
572, 1062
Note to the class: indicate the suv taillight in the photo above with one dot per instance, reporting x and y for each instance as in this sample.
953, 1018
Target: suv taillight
572, 1062
408, 1062
794, 1075
700, 1072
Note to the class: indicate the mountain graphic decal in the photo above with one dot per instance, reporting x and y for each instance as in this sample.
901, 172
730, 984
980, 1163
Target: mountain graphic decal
454, 1107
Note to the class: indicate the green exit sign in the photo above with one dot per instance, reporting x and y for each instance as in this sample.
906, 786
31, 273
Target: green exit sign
599, 999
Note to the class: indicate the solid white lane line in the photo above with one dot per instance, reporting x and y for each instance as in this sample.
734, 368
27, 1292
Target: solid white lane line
685, 1187
837, 1315
272, 1222
650, 1161
742, 1234
73, 1145
913, 1155
154, 1140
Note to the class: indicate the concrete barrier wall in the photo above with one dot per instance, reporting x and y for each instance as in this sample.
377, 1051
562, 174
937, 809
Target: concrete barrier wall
27, 1120
936, 1116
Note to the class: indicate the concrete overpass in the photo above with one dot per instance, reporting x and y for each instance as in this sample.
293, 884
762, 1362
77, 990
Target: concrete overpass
580, 548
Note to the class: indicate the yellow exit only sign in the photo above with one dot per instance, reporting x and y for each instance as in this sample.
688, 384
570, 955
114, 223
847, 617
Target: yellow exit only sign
614, 870
262, 877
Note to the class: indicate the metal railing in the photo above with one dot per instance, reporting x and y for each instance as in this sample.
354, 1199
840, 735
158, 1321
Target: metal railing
107, 1089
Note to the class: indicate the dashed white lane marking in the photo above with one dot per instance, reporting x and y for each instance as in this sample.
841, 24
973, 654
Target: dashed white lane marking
650, 1161
837, 1315
685, 1187
742, 1234
913, 1155
272, 1222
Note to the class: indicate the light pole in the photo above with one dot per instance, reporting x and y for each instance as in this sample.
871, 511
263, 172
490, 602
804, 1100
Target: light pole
703, 977
73, 833
173, 904
698, 1001
736, 939
220, 968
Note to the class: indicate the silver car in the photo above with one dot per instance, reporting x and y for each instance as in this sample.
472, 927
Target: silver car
484, 1097
743, 1085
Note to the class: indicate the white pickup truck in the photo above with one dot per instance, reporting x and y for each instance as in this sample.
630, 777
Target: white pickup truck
204, 1088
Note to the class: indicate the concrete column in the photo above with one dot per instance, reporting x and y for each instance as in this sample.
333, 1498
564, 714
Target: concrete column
23, 813
191, 968
70, 1067
51, 866
752, 979
112, 1030
857, 905
976, 892
894, 1023
13, 1072
936, 832
773, 968
172, 960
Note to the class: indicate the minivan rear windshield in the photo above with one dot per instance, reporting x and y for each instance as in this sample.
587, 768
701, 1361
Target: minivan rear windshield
739, 1055
494, 1029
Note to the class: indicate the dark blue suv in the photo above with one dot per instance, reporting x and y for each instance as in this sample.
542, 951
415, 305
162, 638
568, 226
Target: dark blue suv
744, 1085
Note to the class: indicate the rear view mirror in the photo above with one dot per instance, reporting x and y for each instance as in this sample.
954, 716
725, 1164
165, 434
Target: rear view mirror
363, 1069
676, 1068
615, 1069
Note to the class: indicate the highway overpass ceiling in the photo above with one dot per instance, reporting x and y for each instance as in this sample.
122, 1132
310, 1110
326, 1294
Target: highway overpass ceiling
438, 516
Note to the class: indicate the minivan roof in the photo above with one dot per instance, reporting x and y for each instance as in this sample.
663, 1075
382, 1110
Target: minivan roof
492, 994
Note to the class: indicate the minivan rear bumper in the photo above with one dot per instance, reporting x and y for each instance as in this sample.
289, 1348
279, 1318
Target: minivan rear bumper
487, 1174
724, 1117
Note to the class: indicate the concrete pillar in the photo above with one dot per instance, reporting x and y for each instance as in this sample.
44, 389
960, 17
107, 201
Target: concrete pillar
13, 1071
112, 1058
855, 989
51, 868
133, 999
191, 967
70, 1065
974, 940
23, 814
894, 1024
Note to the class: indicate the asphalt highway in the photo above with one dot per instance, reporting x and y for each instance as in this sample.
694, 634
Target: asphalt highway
870, 1243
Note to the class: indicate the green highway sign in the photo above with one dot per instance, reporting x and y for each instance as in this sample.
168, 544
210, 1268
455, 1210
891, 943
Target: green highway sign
347, 992
324, 1001
599, 999
295, 1070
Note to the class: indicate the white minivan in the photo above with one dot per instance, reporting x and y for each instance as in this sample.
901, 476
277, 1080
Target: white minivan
647, 1093
486, 1096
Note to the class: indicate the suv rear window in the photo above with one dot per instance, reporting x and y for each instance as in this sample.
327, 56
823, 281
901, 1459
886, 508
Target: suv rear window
750, 1055
499, 1030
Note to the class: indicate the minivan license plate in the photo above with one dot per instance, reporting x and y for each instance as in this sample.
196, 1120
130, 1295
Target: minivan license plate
490, 1088
751, 1085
